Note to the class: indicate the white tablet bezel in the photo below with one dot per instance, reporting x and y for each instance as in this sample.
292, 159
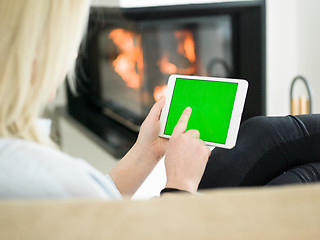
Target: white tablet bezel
236, 113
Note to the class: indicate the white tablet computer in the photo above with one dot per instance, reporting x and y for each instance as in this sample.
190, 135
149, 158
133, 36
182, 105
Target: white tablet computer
217, 106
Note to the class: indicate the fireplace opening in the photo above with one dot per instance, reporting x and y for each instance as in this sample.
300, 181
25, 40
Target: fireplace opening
129, 54
134, 65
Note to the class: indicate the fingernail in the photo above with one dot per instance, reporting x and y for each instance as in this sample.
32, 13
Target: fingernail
188, 109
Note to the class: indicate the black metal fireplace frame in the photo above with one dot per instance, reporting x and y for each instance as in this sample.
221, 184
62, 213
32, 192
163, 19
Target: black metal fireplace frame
249, 61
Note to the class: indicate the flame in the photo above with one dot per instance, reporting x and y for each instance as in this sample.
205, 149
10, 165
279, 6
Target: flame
166, 66
129, 62
185, 48
186, 45
159, 91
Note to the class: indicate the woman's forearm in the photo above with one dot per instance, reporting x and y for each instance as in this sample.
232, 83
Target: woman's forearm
133, 169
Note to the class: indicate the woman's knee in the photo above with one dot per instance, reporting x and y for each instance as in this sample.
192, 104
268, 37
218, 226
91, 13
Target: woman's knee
256, 131
256, 123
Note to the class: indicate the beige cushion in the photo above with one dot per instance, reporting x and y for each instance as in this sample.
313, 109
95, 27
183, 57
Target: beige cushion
264, 213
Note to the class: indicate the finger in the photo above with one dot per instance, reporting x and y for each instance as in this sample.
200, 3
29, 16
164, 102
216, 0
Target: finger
156, 109
182, 124
193, 133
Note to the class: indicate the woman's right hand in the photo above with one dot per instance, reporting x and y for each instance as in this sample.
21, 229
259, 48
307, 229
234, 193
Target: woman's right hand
186, 156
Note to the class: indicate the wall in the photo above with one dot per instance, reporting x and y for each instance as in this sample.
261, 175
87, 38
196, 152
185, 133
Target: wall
309, 46
282, 54
109, 3
292, 49
148, 3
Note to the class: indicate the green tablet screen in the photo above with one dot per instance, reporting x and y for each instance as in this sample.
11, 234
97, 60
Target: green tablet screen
211, 102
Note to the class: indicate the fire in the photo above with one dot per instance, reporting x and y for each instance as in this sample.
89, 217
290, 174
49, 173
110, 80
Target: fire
185, 48
159, 91
129, 62
186, 45
166, 66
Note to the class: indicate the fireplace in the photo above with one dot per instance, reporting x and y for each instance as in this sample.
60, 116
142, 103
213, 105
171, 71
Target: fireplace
128, 55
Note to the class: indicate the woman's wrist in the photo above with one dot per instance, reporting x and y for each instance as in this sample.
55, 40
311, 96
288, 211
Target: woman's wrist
145, 153
138, 163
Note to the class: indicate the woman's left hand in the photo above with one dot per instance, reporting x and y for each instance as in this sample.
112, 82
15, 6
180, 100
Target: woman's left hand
137, 164
148, 138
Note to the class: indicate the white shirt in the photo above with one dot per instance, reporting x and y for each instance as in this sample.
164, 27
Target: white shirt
30, 170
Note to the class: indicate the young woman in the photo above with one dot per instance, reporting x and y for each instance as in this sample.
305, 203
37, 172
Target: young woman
38, 45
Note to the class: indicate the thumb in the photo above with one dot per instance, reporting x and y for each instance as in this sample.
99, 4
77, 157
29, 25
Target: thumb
156, 109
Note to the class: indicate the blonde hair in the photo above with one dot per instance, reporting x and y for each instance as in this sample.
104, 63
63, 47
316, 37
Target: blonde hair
39, 41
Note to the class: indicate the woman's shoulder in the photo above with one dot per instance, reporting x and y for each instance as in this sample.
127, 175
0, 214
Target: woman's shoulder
31, 170
14, 149
21, 154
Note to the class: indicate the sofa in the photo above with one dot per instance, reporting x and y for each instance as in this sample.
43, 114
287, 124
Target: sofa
280, 212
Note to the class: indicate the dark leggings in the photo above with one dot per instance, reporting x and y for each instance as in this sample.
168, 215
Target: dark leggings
266, 147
